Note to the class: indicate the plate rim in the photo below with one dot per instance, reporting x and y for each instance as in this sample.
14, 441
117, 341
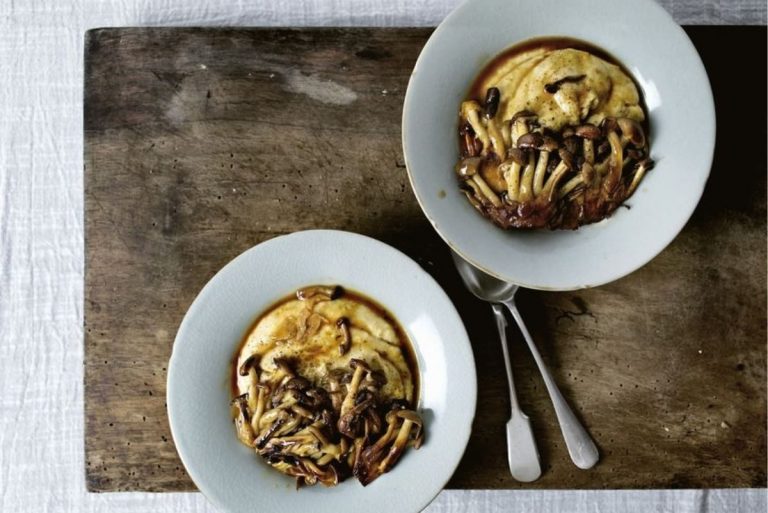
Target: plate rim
709, 106
470, 379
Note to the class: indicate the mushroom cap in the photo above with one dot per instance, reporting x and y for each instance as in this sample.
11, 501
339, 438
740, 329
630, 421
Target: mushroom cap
355, 363
468, 167
632, 130
549, 143
522, 114
537, 141
283, 365
587, 131
249, 362
517, 155
492, 97
239, 400
409, 415
530, 141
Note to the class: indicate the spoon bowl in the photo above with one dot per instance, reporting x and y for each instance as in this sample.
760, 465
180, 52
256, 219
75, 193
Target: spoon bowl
482, 285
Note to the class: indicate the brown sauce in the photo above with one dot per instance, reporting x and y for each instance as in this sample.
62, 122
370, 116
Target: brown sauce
405, 343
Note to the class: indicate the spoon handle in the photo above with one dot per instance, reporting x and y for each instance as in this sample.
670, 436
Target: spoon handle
580, 445
522, 454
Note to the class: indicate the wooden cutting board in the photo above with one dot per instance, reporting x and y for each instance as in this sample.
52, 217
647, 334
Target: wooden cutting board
200, 143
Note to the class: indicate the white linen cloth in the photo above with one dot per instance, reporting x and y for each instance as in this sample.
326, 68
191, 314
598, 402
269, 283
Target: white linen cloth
41, 248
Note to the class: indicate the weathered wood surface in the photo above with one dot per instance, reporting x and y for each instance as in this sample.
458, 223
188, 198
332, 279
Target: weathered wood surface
200, 143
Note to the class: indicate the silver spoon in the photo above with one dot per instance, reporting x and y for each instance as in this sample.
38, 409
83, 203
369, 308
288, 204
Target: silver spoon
580, 445
522, 454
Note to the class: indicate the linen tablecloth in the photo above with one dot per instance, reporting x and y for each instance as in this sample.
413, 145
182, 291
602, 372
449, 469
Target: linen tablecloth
41, 247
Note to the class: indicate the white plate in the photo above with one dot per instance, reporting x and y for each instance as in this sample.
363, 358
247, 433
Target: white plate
653, 47
233, 477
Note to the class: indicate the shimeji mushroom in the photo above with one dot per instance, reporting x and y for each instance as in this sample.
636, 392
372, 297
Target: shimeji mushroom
576, 176
404, 428
335, 377
642, 166
360, 368
303, 469
362, 419
322, 291
243, 427
357, 416
317, 435
468, 170
256, 394
345, 336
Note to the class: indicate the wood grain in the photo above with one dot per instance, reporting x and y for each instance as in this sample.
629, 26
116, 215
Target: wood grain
200, 143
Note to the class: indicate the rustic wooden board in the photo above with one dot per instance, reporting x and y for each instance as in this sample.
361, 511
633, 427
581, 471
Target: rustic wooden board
200, 143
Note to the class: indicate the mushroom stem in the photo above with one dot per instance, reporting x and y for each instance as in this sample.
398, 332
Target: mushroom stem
302, 411
526, 183
486, 191
642, 167
616, 163
519, 129
496, 138
354, 385
540, 172
589, 151
346, 337
248, 368
357, 449
585, 177
469, 145
349, 423
243, 421
473, 201
261, 403
570, 185
253, 393
511, 173
470, 110
397, 447
372, 462
506, 133
549, 187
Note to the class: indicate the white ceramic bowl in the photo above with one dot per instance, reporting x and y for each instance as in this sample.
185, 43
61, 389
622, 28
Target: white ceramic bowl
233, 477
664, 62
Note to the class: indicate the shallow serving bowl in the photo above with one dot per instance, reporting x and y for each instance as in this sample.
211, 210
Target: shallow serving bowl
663, 61
232, 476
